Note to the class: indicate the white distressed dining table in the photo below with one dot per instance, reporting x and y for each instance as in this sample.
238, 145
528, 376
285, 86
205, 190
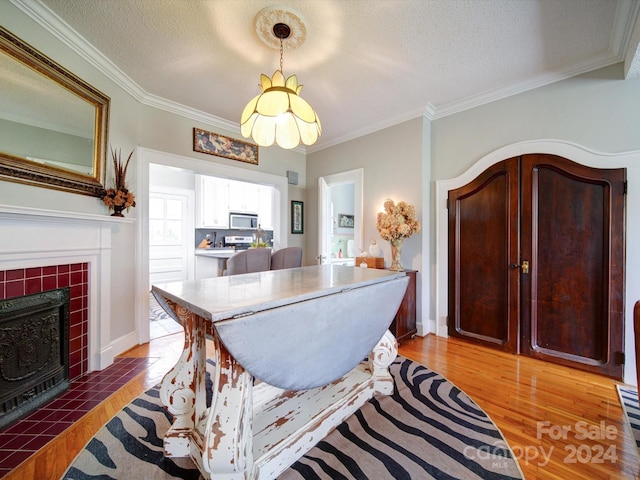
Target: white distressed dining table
296, 352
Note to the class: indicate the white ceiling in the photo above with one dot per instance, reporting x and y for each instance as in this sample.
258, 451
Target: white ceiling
365, 64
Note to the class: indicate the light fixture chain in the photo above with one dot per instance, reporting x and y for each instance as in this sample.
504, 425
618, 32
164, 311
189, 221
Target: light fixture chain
281, 50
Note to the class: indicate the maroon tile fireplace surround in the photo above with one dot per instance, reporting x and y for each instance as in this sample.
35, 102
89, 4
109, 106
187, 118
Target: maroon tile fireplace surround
24, 281
26, 436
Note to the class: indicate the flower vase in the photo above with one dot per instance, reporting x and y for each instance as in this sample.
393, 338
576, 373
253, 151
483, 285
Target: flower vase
396, 252
117, 211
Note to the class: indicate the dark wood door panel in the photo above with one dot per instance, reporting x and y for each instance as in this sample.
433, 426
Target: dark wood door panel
573, 234
482, 215
566, 221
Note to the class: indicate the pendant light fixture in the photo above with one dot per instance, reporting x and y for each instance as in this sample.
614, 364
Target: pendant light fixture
279, 115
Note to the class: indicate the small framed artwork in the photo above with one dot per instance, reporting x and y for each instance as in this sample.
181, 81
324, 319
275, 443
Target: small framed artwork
297, 216
345, 221
227, 147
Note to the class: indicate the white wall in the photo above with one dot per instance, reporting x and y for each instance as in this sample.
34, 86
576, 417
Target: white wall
599, 110
392, 161
124, 127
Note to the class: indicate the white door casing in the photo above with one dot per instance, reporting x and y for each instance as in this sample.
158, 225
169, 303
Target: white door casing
324, 210
324, 222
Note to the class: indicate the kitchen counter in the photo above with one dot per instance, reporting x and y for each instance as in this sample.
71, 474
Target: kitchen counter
212, 262
215, 252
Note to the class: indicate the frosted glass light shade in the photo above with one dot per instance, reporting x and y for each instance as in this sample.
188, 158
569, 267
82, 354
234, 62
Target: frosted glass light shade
279, 115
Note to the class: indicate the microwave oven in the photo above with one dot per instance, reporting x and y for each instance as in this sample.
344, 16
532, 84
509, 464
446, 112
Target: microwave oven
243, 221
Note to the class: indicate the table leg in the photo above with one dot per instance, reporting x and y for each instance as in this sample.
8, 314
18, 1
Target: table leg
228, 434
183, 389
382, 355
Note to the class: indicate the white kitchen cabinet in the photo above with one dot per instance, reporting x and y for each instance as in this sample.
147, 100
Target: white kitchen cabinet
212, 194
265, 207
243, 196
219, 196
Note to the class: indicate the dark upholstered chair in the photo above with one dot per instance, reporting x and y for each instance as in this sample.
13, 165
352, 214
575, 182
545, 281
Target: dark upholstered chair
289, 257
247, 261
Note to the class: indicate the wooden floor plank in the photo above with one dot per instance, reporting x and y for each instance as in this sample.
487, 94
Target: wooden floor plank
518, 393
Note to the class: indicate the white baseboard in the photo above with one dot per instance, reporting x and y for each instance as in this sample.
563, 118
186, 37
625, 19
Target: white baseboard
118, 346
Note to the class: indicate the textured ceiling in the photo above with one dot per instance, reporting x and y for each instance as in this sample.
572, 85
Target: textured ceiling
365, 64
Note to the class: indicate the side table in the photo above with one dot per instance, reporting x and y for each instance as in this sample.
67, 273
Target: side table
404, 323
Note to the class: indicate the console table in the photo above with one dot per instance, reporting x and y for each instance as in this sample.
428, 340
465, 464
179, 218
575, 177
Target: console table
289, 347
403, 326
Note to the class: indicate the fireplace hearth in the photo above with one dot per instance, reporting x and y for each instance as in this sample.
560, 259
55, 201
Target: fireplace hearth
34, 352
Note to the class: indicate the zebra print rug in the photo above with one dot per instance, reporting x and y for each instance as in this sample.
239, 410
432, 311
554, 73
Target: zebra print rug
629, 401
427, 429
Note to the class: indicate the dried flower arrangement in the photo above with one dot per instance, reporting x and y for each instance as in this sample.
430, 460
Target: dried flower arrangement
397, 221
118, 197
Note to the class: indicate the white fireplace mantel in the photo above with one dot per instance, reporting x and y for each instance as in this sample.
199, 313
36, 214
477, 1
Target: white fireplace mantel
34, 237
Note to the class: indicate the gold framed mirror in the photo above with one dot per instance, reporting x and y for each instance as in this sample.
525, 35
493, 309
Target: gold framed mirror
53, 125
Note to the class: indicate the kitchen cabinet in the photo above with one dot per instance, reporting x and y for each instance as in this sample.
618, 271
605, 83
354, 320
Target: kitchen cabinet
219, 196
404, 323
212, 195
243, 197
265, 207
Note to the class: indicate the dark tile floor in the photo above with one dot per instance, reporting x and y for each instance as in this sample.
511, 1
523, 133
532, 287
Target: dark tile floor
23, 438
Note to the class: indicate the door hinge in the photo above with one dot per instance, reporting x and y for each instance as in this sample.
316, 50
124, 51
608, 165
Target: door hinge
620, 358
624, 191
447, 204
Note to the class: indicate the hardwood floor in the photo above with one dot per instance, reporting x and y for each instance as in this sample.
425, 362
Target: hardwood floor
543, 410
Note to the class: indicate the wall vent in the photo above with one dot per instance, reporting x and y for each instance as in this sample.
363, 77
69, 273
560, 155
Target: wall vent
292, 177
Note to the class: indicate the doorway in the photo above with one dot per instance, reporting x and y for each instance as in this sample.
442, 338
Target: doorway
171, 228
335, 231
170, 248
145, 159
536, 261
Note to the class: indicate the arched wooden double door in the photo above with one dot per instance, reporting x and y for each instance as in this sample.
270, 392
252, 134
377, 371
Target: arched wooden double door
536, 261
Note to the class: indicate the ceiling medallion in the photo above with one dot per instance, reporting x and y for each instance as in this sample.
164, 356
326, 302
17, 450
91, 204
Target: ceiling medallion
270, 16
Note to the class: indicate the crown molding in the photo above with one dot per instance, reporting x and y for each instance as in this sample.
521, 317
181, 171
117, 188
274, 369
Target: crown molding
426, 112
626, 20
48, 20
627, 40
569, 71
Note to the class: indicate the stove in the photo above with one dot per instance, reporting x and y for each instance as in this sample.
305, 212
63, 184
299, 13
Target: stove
239, 242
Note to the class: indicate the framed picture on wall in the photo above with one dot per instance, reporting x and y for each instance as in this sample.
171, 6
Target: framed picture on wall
221, 146
297, 216
345, 221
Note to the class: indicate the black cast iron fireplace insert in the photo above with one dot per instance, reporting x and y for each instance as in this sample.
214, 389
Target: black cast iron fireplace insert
34, 352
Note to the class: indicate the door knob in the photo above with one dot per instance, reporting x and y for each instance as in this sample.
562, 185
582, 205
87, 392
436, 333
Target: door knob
524, 266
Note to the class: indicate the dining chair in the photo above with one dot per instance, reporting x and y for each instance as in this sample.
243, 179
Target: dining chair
288, 257
251, 260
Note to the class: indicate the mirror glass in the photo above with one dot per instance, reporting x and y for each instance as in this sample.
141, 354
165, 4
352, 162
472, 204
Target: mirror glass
53, 126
